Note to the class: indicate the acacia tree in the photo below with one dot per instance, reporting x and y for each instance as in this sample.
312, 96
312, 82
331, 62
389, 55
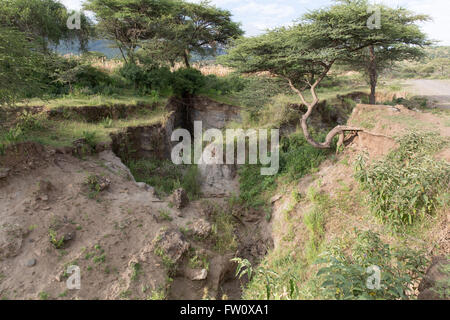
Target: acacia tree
397, 38
43, 22
129, 22
303, 54
200, 28
19, 63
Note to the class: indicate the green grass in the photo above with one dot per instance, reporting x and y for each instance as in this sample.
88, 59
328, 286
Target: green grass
314, 221
165, 176
91, 100
60, 133
406, 185
223, 230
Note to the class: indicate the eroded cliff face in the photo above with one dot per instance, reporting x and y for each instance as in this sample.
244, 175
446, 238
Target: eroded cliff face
155, 140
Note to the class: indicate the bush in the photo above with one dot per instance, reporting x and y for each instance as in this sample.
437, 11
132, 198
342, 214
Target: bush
348, 276
223, 85
298, 157
187, 82
146, 79
407, 183
165, 176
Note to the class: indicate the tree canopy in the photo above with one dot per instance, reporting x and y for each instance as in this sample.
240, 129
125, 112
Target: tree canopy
304, 53
169, 29
43, 21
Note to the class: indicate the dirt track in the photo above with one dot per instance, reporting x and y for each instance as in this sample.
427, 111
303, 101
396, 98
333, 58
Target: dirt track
437, 90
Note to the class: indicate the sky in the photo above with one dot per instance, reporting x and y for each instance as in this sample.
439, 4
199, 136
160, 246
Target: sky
256, 16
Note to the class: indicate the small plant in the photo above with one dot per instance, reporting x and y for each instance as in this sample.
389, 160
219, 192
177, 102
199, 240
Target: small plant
198, 261
90, 138
223, 229
93, 183
57, 242
271, 278
44, 295
137, 270
107, 122
165, 215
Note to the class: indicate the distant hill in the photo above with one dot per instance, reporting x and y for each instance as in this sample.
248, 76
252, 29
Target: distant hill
103, 46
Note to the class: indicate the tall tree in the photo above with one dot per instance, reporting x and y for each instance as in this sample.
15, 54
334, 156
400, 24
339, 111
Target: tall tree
299, 55
201, 28
397, 37
129, 22
42, 21
303, 54
19, 66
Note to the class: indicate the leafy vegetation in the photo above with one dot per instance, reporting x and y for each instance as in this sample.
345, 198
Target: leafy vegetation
407, 184
349, 276
297, 158
165, 176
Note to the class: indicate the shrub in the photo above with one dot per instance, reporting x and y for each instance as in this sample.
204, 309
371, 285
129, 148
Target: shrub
298, 157
350, 276
187, 81
407, 183
165, 176
146, 79
223, 85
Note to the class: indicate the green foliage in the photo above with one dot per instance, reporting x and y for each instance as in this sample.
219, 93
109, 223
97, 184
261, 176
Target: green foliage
314, 221
146, 79
79, 75
167, 30
93, 183
223, 229
297, 158
19, 63
43, 21
270, 277
346, 276
187, 82
165, 176
406, 184
57, 242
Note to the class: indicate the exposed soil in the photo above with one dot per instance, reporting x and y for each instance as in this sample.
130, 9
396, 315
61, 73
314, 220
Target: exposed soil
51, 218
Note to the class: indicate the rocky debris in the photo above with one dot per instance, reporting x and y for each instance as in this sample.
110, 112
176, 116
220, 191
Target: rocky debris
114, 164
62, 236
4, 173
98, 183
196, 274
31, 263
146, 187
44, 189
11, 238
180, 198
435, 283
201, 228
172, 243
81, 147
103, 183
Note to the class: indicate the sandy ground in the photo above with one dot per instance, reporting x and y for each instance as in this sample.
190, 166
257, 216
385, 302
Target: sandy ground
437, 90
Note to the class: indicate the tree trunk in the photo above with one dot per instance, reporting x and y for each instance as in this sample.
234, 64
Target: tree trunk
338, 130
372, 74
186, 58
